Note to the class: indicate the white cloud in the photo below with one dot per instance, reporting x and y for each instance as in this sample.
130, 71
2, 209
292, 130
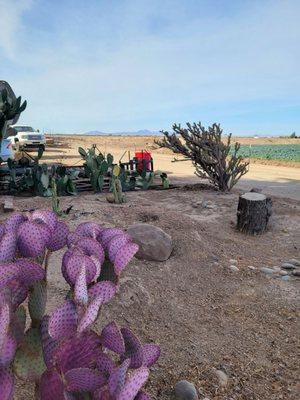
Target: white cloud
133, 74
11, 12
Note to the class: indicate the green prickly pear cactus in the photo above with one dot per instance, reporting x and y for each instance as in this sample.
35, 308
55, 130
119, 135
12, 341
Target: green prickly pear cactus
19, 323
37, 302
117, 196
110, 159
29, 361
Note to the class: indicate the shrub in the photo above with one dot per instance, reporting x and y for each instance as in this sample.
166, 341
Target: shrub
60, 353
208, 153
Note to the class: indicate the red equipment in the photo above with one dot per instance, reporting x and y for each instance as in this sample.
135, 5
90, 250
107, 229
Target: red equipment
144, 161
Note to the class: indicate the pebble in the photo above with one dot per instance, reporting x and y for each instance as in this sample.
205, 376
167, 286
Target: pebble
266, 270
222, 377
283, 273
287, 265
185, 390
294, 262
232, 261
208, 204
296, 272
286, 278
276, 268
251, 267
233, 268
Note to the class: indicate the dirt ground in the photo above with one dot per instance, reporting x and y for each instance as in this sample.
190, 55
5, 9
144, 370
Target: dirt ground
203, 315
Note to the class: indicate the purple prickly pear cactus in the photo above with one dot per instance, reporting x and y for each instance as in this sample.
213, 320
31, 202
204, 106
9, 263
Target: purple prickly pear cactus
60, 352
6, 384
59, 237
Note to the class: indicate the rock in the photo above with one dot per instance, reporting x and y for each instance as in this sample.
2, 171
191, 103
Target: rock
233, 268
154, 243
208, 204
276, 268
294, 262
296, 272
283, 273
185, 390
251, 267
267, 271
285, 278
232, 261
110, 198
222, 377
287, 265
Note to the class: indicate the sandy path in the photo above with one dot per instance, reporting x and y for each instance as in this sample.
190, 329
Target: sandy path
274, 180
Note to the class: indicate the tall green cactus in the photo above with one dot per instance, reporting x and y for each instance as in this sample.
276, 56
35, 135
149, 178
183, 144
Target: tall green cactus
10, 108
117, 196
96, 166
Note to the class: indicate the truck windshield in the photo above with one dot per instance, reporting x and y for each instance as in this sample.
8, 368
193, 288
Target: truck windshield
23, 129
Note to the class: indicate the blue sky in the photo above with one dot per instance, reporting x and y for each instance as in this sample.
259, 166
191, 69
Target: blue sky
121, 65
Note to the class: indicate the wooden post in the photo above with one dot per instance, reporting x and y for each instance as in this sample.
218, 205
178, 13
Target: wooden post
253, 213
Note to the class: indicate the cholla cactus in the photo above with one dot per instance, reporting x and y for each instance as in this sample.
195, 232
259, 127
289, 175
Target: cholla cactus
61, 353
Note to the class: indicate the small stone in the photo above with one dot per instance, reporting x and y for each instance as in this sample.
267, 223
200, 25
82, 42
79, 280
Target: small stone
294, 262
283, 273
287, 265
208, 204
222, 377
276, 268
267, 271
296, 272
285, 278
232, 261
251, 267
233, 268
185, 390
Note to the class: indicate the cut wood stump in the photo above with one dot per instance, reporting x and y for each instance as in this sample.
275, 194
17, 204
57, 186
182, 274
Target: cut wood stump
8, 204
253, 213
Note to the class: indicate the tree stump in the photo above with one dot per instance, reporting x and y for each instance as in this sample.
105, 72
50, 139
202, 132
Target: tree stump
253, 213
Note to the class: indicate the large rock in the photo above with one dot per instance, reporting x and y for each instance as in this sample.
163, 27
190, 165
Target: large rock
154, 243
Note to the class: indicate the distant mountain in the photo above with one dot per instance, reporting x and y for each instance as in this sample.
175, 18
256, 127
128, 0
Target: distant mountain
94, 133
141, 132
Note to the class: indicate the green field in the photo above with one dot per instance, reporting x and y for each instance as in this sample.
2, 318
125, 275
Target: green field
284, 152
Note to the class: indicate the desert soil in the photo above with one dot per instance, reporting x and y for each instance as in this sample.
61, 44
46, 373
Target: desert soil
203, 315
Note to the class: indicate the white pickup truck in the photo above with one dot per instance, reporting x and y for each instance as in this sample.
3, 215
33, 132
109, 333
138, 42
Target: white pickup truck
24, 136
